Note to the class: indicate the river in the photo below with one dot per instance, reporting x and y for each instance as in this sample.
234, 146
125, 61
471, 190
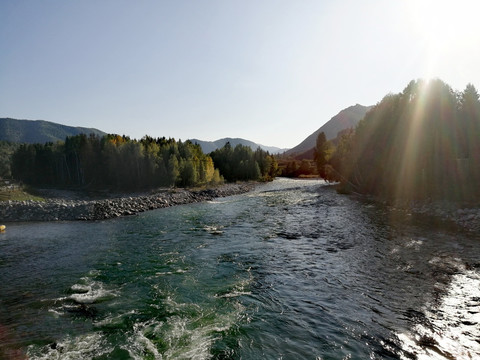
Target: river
291, 270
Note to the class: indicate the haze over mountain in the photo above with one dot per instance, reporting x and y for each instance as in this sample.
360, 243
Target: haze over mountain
39, 131
347, 118
209, 146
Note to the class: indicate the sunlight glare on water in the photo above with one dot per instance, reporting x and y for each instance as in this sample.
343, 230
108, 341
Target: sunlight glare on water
451, 329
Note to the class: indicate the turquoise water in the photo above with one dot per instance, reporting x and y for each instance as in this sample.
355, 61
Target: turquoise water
289, 271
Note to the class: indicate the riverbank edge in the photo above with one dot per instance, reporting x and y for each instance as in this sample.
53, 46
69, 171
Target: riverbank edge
64, 209
464, 215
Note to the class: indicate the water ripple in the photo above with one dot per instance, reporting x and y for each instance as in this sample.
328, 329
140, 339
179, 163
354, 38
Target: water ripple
291, 270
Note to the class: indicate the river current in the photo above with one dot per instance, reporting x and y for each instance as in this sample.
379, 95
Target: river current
291, 270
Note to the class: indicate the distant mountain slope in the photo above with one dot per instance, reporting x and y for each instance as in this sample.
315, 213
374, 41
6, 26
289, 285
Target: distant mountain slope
39, 131
345, 119
209, 146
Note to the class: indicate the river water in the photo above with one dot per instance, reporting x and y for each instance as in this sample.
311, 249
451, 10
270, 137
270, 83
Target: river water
289, 271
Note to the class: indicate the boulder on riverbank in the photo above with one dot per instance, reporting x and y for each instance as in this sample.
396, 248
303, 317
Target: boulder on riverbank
55, 209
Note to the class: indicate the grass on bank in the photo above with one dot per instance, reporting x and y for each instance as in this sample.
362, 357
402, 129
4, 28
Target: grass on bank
18, 193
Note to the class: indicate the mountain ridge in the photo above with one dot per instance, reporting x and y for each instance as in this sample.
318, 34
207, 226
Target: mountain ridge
346, 118
39, 131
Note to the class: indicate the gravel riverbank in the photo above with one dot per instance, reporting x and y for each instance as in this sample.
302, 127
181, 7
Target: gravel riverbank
55, 209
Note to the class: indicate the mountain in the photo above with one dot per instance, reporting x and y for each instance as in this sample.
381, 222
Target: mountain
209, 146
347, 118
39, 131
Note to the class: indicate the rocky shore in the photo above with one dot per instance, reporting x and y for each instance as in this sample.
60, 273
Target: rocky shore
55, 209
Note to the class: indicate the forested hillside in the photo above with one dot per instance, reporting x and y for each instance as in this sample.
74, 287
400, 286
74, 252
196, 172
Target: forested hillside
39, 131
421, 143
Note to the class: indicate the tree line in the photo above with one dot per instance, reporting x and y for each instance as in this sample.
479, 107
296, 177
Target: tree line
118, 162
312, 163
421, 143
7, 150
242, 163
114, 161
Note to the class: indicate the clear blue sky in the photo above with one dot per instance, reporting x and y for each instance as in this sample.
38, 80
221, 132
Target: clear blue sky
270, 71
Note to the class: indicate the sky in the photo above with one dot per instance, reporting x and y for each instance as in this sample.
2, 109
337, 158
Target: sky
270, 71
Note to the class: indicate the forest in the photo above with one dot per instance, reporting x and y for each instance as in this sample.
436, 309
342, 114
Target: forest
118, 162
422, 143
242, 163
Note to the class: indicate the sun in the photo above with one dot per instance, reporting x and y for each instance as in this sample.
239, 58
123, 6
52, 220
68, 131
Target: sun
431, 18
446, 29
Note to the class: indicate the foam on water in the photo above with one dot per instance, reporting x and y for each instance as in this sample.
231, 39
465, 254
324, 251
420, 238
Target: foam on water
192, 338
95, 292
238, 289
82, 295
212, 229
178, 271
178, 328
113, 320
139, 344
89, 291
180, 336
187, 335
85, 346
